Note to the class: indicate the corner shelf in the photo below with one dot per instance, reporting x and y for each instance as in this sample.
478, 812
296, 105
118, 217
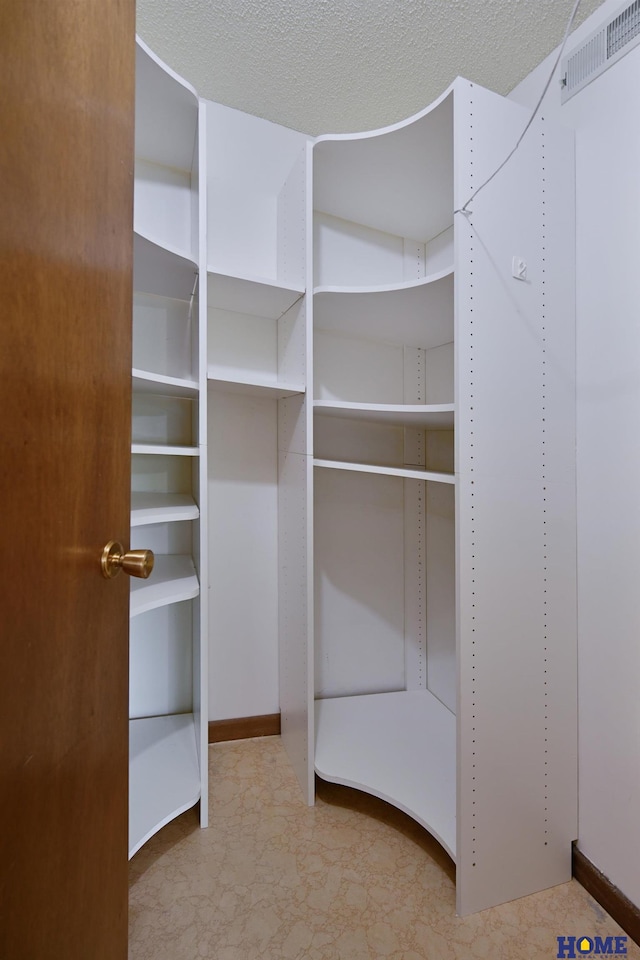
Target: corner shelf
256, 296
400, 747
147, 508
144, 381
164, 774
158, 449
432, 416
173, 579
419, 313
162, 269
404, 472
253, 388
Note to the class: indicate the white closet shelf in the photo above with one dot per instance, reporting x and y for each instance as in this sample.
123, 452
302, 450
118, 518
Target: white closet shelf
417, 314
161, 269
386, 287
144, 381
400, 747
173, 579
166, 112
164, 450
162, 508
257, 296
432, 416
164, 775
405, 472
253, 387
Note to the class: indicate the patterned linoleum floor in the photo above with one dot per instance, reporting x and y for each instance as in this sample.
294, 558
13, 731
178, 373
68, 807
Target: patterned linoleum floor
272, 879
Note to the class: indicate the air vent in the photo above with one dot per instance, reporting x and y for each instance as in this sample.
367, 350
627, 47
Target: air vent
600, 50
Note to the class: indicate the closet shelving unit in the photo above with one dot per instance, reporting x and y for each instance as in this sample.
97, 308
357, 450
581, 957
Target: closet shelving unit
442, 435
387, 451
257, 370
168, 726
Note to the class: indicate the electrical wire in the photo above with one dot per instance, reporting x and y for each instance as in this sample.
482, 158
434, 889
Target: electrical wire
475, 193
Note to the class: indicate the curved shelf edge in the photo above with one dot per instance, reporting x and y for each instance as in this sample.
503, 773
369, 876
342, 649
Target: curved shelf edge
165, 67
173, 580
399, 747
387, 287
393, 127
434, 416
148, 508
182, 255
164, 774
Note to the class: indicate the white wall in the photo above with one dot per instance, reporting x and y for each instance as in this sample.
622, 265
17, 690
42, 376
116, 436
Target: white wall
605, 116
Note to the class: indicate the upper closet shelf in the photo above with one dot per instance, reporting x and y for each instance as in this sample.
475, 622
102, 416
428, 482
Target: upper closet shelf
398, 180
408, 473
400, 747
144, 381
269, 389
160, 270
166, 112
162, 508
256, 296
433, 416
172, 580
163, 450
417, 314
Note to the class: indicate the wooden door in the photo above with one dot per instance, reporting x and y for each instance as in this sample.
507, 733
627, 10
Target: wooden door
66, 169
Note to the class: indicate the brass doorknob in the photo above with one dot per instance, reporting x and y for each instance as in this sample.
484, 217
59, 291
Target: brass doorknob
137, 563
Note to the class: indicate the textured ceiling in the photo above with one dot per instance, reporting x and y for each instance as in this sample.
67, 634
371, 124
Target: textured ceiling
324, 66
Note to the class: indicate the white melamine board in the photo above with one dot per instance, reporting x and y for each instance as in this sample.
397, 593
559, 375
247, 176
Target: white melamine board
440, 577
161, 475
358, 441
398, 180
292, 224
162, 419
431, 417
292, 343
248, 163
163, 201
152, 449
418, 314
257, 296
149, 508
144, 381
400, 747
243, 555
162, 337
166, 112
164, 775
439, 374
515, 448
359, 583
387, 471
294, 603
173, 579
162, 271
164, 537
161, 662
219, 383
243, 345
357, 369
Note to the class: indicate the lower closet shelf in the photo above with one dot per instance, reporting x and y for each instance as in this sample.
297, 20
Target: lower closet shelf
164, 774
400, 747
173, 579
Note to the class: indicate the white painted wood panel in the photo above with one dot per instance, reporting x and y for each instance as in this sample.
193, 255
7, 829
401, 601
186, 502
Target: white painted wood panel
161, 662
162, 337
243, 553
516, 806
148, 508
